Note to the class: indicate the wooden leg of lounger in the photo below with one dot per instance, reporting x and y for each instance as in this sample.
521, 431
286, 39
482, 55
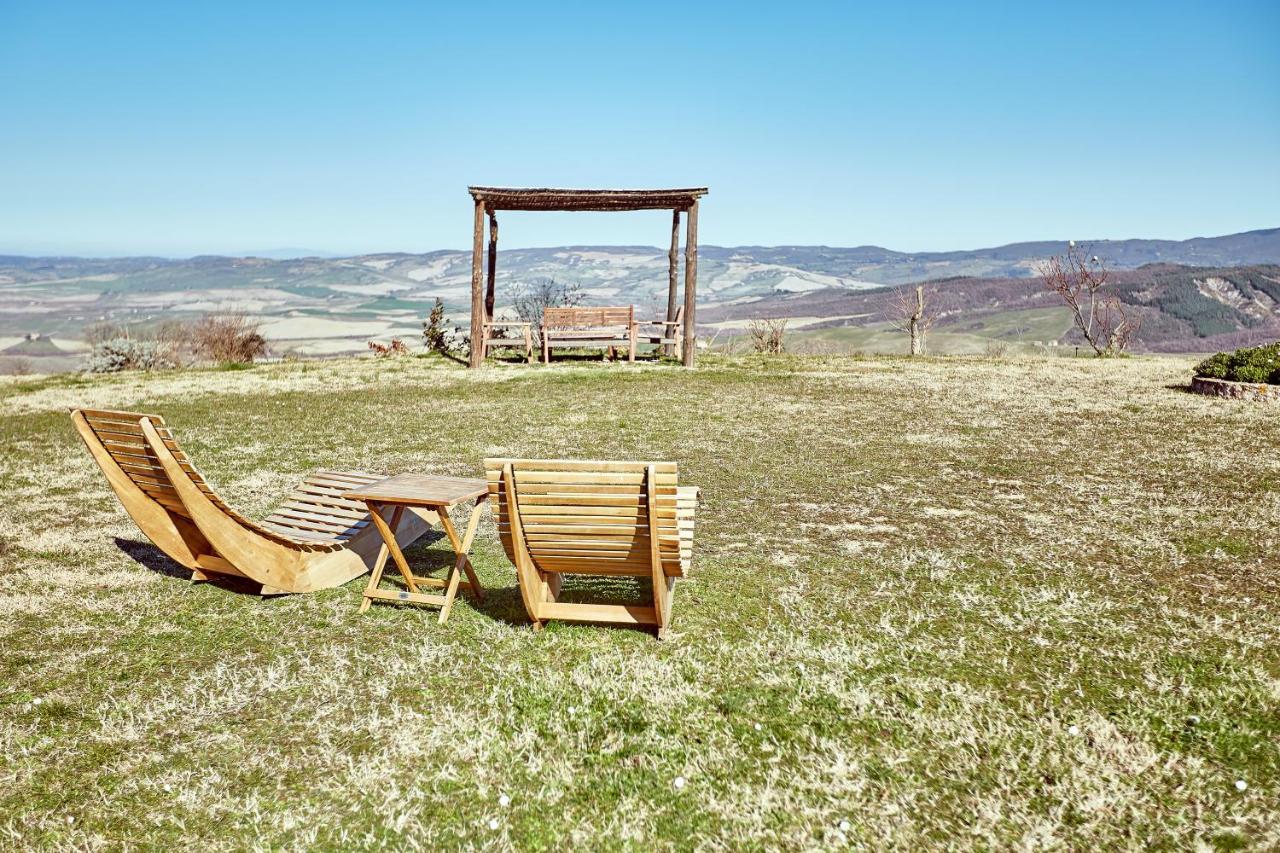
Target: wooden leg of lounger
664, 626
198, 576
554, 581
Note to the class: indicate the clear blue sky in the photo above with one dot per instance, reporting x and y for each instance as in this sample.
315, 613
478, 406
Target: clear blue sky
183, 128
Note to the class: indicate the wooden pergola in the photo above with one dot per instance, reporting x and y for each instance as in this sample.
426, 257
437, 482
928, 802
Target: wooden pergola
489, 200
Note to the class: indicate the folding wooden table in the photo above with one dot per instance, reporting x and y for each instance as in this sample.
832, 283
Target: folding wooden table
438, 495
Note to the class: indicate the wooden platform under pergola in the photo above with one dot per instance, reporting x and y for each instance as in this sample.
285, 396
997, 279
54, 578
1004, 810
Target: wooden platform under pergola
489, 200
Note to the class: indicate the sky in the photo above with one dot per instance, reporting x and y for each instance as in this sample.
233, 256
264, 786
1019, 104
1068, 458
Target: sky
192, 128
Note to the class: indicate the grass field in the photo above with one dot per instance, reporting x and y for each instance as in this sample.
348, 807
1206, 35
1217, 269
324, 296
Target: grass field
1022, 332
947, 603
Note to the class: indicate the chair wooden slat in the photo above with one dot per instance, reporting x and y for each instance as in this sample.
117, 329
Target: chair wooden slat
559, 517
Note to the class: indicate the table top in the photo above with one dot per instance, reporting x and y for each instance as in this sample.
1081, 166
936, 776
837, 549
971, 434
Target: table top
420, 490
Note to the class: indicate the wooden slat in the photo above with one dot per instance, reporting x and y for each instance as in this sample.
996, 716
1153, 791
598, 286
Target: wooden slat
494, 466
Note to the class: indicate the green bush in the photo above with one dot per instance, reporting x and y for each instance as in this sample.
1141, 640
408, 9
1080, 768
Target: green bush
1254, 364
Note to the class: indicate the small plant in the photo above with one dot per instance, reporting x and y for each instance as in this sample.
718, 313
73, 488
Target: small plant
19, 366
996, 350
766, 334
227, 338
119, 354
1254, 364
440, 338
532, 299
396, 348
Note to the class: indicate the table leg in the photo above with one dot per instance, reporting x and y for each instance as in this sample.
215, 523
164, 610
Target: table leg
380, 563
461, 547
396, 554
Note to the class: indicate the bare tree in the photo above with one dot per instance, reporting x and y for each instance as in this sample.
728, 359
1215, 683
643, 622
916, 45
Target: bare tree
1101, 318
531, 299
907, 313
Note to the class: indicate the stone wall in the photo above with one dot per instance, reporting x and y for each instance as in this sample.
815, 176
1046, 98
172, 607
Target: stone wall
1236, 390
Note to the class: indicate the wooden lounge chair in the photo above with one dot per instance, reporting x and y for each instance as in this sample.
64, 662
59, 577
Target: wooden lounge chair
315, 540
557, 517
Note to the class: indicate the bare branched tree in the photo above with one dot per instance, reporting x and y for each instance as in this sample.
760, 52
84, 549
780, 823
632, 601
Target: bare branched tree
907, 313
1101, 318
531, 299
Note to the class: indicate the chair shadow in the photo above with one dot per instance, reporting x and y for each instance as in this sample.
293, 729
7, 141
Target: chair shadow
501, 604
153, 559
505, 604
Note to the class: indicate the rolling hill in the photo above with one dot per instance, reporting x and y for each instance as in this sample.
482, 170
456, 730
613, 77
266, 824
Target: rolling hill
322, 305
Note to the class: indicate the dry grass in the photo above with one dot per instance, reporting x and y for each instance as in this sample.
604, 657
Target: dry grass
917, 618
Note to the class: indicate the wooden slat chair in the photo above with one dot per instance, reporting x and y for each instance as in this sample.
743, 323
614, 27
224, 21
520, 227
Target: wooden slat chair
489, 340
665, 334
315, 540
558, 517
606, 327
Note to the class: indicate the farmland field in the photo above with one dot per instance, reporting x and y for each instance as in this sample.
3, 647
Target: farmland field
949, 602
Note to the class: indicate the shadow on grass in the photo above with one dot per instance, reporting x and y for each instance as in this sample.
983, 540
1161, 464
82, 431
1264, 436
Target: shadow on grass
153, 559
1184, 387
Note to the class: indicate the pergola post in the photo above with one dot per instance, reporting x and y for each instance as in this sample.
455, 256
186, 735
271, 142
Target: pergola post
673, 261
690, 284
493, 266
477, 287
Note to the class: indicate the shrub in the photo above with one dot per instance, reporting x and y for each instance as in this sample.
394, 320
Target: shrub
1253, 364
438, 338
119, 354
396, 348
19, 366
227, 338
766, 334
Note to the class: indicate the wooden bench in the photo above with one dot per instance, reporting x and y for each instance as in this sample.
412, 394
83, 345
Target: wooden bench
606, 327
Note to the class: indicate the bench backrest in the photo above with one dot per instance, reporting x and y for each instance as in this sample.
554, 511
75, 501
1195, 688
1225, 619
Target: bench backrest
588, 318
592, 517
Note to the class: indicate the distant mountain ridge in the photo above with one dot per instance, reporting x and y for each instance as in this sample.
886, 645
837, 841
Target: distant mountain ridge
861, 265
312, 303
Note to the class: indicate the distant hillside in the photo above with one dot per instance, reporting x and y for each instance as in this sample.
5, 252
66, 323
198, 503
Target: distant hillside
1183, 309
322, 305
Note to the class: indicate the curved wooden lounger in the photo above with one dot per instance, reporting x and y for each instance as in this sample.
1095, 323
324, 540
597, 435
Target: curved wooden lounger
315, 540
558, 517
